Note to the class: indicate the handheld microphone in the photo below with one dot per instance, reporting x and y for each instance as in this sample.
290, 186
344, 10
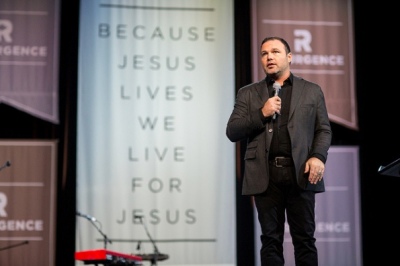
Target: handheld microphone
90, 218
277, 88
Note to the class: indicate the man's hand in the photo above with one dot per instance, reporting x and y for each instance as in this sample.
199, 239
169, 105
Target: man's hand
272, 106
315, 167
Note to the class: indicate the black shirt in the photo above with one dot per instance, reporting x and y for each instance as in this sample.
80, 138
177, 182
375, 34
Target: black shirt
280, 145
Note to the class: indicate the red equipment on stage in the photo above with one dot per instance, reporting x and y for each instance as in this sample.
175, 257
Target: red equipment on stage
107, 257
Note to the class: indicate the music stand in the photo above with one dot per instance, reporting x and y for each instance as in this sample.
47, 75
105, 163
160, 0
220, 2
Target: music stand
392, 169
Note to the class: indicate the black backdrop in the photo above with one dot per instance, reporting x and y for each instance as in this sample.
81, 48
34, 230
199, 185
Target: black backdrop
377, 137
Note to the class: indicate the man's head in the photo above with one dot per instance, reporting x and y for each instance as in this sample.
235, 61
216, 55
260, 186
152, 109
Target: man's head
283, 41
276, 58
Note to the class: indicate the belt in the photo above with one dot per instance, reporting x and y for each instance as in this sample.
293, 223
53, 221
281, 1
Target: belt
281, 162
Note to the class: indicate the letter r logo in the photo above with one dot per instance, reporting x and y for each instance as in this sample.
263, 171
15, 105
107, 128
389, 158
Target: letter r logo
5, 30
3, 204
302, 41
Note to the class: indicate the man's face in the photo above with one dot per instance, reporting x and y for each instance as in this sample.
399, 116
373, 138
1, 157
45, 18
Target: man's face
274, 59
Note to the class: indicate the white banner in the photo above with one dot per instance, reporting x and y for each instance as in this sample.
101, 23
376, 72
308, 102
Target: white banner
156, 87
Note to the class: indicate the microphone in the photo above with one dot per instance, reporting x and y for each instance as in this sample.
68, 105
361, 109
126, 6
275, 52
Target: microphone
90, 218
277, 88
7, 164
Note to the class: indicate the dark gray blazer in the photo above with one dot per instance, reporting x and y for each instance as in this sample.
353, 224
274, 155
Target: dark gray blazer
309, 129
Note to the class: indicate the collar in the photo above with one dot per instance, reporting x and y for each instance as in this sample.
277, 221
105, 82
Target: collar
270, 81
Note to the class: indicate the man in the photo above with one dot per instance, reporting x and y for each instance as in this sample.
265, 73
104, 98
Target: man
285, 121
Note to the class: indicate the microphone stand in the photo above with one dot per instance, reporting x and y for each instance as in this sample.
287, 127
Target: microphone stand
106, 240
15, 245
7, 164
154, 258
92, 221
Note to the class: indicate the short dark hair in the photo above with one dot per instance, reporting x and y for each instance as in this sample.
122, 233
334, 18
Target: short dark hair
283, 41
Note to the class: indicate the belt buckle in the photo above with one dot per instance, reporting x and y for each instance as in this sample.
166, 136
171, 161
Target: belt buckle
276, 161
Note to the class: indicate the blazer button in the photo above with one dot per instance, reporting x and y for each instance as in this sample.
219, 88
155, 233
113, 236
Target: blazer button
270, 130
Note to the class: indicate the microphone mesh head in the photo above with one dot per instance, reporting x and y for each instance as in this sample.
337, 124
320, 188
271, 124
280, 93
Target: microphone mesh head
276, 86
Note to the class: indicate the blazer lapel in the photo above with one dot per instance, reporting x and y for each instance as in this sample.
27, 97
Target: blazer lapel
262, 90
297, 90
